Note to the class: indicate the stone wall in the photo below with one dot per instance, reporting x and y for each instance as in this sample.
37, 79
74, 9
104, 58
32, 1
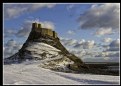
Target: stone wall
44, 31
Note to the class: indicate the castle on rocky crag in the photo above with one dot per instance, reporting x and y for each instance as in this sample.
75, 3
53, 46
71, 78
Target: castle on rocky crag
44, 31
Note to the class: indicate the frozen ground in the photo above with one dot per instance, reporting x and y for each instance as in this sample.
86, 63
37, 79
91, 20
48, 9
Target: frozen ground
31, 73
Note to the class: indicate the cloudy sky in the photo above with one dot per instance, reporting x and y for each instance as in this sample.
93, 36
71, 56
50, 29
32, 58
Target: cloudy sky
90, 31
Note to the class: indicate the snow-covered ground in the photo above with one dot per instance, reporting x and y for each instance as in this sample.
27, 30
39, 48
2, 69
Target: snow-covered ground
30, 73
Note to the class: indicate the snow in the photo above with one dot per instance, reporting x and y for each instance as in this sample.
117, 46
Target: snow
40, 48
29, 72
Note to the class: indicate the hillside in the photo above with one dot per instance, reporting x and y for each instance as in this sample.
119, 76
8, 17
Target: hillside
41, 45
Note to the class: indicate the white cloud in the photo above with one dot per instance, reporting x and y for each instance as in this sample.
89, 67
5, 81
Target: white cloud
104, 31
89, 51
70, 32
101, 16
11, 47
69, 7
15, 10
78, 44
108, 54
9, 32
10, 43
68, 42
39, 5
114, 45
23, 32
112, 49
106, 58
85, 44
25, 29
48, 24
88, 44
103, 54
107, 40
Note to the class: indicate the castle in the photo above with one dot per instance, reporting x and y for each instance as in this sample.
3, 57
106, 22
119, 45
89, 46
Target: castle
44, 31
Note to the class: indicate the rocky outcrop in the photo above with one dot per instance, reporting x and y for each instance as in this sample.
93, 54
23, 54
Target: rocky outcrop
49, 51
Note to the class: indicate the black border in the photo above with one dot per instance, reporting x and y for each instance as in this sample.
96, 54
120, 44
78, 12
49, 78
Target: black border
43, 1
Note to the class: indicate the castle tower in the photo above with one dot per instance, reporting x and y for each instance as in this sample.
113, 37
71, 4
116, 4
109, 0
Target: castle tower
54, 34
34, 25
39, 25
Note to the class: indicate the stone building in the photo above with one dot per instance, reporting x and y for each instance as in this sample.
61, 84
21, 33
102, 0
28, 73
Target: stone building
44, 31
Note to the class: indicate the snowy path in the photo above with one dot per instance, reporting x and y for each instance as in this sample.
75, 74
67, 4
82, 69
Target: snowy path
32, 74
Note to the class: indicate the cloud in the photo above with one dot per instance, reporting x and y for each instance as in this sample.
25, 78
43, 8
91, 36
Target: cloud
107, 40
38, 6
114, 45
71, 32
114, 55
88, 50
88, 44
25, 29
101, 59
85, 44
107, 54
104, 31
79, 53
48, 24
68, 42
69, 7
11, 47
101, 16
103, 54
10, 43
15, 10
9, 32
23, 32
78, 44
112, 49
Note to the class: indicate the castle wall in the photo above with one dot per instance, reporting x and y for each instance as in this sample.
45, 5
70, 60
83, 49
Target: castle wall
44, 31
50, 32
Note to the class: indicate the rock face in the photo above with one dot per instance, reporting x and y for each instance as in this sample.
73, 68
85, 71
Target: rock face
44, 45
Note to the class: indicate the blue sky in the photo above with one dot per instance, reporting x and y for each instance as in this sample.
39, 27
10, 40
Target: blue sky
71, 21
